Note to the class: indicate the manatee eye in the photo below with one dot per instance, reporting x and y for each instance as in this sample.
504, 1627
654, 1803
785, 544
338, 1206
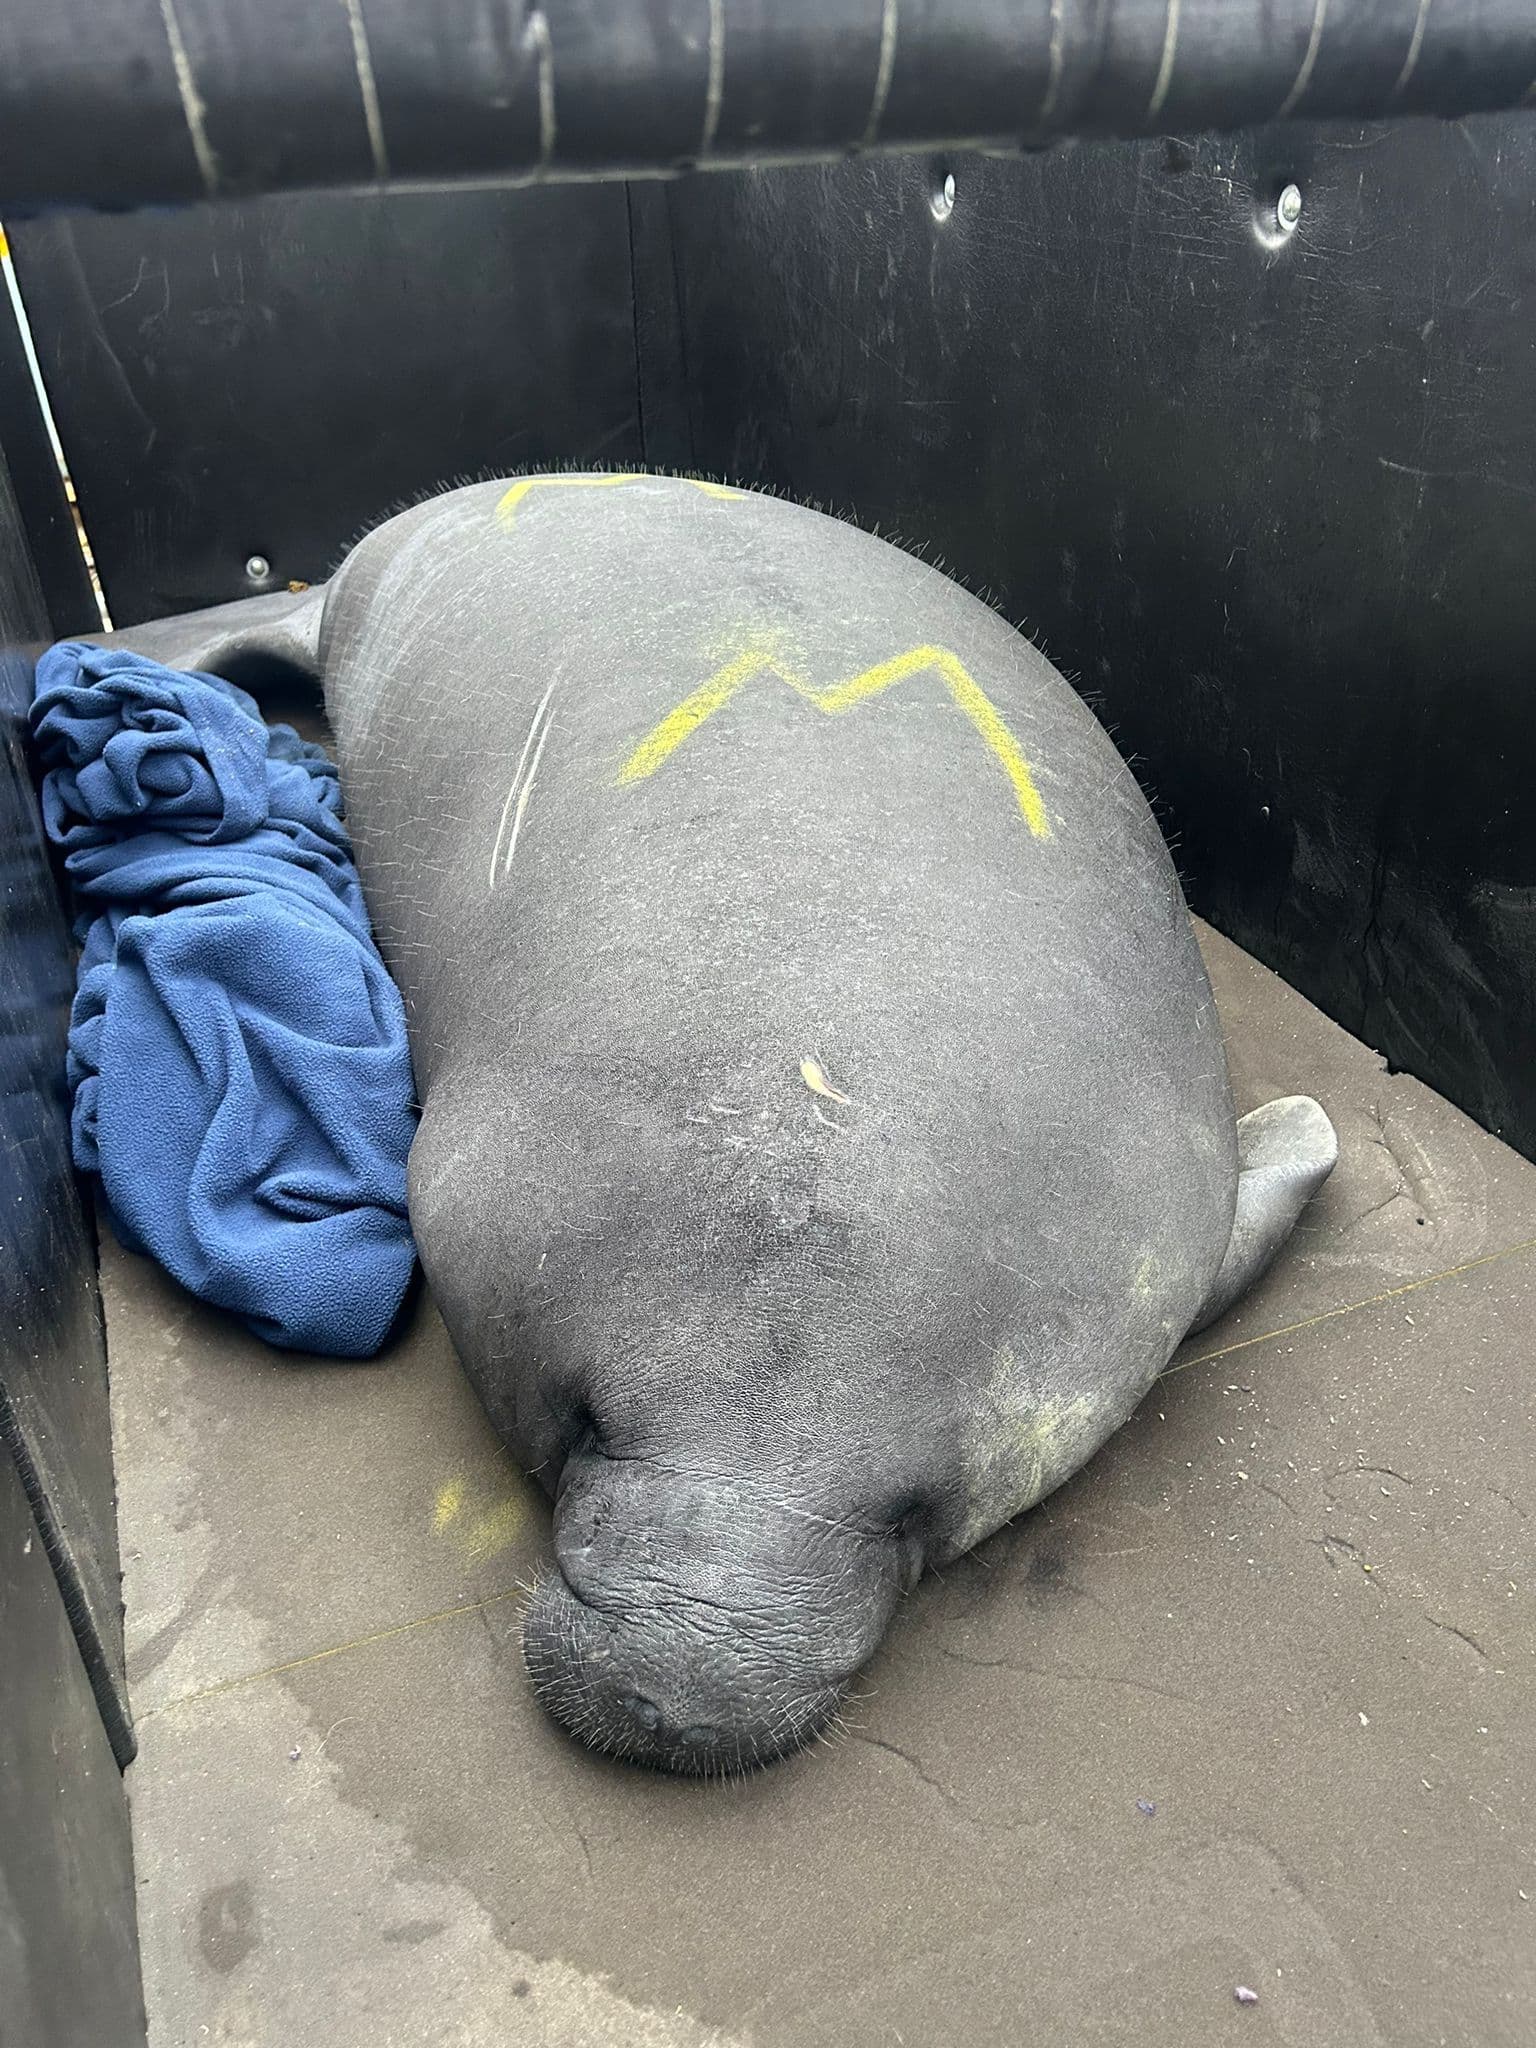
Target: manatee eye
582, 1434
906, 1522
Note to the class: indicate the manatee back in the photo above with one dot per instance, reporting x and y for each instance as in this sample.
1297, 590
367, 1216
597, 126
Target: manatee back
784, 944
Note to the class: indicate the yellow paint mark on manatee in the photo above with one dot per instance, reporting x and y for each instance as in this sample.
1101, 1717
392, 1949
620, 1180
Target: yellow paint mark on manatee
1021, 1444
508, 504
1038, 1441
678, 725
477, 1531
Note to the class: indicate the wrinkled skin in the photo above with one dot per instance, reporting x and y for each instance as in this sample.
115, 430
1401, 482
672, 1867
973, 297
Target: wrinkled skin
681, 1640
826, 1132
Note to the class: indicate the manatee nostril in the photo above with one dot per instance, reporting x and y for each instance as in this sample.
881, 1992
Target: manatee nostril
646, 1713
581, 1438
908, 1523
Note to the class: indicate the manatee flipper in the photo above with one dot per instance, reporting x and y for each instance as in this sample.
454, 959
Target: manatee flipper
258, 642
1285, 1151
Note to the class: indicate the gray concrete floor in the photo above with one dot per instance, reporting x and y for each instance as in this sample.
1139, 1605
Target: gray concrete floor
1289, 1606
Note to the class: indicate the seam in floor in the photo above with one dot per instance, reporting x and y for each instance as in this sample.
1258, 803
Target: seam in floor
1348, 1307
380, 1635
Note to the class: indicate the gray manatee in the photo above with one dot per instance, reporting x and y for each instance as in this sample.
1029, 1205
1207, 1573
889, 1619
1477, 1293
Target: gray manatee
826, 1131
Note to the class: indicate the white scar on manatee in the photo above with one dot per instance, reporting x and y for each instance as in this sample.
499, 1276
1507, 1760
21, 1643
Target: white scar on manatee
522, 788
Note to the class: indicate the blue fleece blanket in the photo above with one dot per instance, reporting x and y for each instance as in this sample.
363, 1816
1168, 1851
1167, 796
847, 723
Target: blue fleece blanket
237, 1050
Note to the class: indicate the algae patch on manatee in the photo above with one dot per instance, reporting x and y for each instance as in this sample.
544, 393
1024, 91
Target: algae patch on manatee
1021, 1444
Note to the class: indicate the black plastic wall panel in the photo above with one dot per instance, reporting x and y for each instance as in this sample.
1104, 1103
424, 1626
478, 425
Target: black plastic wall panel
265, 381
69, 1964
121, 102
68, 1959
38, 488
53, 1371
1269, 496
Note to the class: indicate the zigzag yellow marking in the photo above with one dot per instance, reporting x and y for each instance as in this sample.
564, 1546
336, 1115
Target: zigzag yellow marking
966, 692
507, 505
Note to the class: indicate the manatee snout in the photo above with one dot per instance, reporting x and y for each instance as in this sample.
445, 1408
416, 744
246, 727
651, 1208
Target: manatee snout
699, 1622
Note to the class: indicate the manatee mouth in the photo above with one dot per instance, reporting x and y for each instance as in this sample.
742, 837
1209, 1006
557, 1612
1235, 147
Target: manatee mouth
670, 1688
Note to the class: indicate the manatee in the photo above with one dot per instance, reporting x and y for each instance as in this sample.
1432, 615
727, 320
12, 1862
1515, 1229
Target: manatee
826, 1133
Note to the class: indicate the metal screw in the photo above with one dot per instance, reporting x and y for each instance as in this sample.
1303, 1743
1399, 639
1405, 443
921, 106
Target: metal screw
943, 197
258, 568
1288, 207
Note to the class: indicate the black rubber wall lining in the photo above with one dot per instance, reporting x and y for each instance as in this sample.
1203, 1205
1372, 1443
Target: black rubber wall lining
69, 1964
122, 102
46, 522
68, 1955
1265, 486
53, 1365
266, 381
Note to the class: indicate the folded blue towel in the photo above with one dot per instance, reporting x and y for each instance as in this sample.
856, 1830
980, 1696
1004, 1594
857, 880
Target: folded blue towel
237, 1050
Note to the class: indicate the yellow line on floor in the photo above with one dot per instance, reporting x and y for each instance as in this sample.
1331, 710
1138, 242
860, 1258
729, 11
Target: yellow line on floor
382, 1635
1348, 1308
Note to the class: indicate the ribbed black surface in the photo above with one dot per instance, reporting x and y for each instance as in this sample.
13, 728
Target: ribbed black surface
119, 102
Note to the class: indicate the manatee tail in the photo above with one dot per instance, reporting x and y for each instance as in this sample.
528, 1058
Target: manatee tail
264, 644
1285, 1151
